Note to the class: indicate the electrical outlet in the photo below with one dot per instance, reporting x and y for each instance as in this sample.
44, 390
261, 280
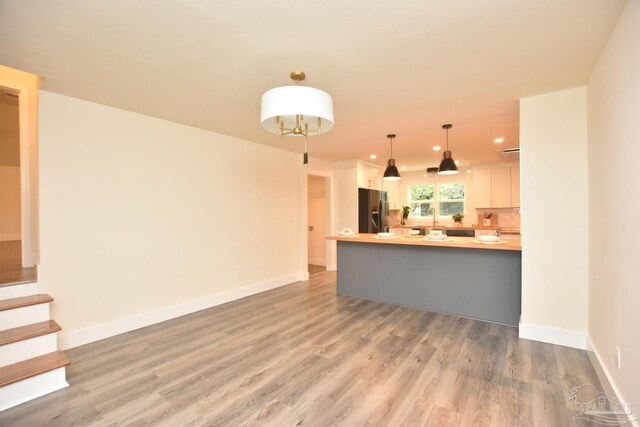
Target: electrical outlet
237, 275
618, 356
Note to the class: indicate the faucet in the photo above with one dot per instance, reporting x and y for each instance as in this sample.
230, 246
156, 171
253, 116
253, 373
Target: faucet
433, 212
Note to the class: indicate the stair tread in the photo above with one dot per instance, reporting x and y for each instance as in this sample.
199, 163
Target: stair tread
20, 333
31, 367
11, 303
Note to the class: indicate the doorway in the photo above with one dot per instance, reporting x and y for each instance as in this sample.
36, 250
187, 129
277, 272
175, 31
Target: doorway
18, 243
318, 223
11, 262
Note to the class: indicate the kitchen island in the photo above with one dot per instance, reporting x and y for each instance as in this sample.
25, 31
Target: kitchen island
458, 276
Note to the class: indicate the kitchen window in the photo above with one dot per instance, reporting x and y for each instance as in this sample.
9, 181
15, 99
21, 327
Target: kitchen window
446, 199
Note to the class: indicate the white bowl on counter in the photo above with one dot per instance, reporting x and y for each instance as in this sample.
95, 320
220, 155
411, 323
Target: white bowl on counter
488, 238
387, 235
437, 236
414, 232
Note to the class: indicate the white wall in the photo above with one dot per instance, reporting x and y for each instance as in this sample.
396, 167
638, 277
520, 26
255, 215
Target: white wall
553, 139
346, 195
613, 94
317, 218
144, 219
9, 203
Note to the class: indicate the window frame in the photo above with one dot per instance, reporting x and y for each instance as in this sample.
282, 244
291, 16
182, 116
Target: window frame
436, 198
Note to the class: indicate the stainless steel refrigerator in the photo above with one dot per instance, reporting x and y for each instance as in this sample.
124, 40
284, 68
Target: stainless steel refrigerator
373, 211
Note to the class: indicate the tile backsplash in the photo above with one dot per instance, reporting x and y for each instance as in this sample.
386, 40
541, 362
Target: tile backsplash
508, 217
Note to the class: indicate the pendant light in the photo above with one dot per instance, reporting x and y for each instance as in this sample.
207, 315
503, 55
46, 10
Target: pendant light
300, 111
447, 165
391, 172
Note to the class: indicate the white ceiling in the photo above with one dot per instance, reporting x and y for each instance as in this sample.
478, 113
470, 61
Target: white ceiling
405, 67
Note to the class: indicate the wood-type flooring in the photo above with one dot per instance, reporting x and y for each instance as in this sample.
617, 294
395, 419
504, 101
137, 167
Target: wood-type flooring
301, 355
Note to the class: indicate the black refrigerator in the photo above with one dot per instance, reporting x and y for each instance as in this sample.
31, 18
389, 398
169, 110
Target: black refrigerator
373, 211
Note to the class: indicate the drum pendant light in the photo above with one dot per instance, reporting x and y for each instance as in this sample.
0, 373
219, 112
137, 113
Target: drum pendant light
391, 172
447, 165
300, 111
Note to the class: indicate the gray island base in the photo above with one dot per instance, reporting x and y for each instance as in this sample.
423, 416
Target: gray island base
476, 283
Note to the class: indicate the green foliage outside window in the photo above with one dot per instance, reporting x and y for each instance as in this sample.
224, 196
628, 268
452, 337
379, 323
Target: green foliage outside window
448, 200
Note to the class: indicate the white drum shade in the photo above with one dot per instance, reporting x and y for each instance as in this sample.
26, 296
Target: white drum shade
289, 101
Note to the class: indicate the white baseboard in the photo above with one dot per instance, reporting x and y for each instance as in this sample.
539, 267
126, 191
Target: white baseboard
80, 337
10, 237
605, 377
303, 276
317, 261
549, 335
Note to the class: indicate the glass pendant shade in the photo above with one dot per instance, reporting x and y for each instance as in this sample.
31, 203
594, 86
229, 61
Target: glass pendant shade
296, 111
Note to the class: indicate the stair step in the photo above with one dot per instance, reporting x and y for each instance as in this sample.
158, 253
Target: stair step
18, 290
9, 304
32, 367
28, 331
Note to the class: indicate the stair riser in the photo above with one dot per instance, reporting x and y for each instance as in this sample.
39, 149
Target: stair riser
16, 291
24, 316
27, 349
22, 391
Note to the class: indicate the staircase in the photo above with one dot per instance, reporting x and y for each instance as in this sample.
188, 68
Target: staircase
30, 363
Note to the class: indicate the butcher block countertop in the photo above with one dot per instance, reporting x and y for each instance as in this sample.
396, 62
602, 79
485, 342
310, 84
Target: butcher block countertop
454, 242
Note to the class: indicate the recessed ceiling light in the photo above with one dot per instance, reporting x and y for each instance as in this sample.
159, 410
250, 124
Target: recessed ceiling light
403, 168
498, 140
437, 148
373, 156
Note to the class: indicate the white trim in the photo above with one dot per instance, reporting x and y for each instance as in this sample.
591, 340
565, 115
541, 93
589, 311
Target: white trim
30, 388
10, 237
601, 369
550, 335
20, 290
80, 337
304, 276
317, 261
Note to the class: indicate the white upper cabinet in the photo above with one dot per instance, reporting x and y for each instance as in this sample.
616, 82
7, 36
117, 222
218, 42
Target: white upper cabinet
496, 187
501, 187
368, 176
482, 187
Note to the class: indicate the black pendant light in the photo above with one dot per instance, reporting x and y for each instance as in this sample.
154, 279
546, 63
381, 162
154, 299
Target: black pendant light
447, 165
391, 172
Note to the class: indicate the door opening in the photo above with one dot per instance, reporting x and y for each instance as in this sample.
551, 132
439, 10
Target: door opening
317, 220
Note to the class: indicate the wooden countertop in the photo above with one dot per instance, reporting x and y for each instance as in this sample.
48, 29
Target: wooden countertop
456, 242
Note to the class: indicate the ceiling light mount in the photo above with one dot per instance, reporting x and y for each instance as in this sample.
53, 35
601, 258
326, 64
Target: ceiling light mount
298, 76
